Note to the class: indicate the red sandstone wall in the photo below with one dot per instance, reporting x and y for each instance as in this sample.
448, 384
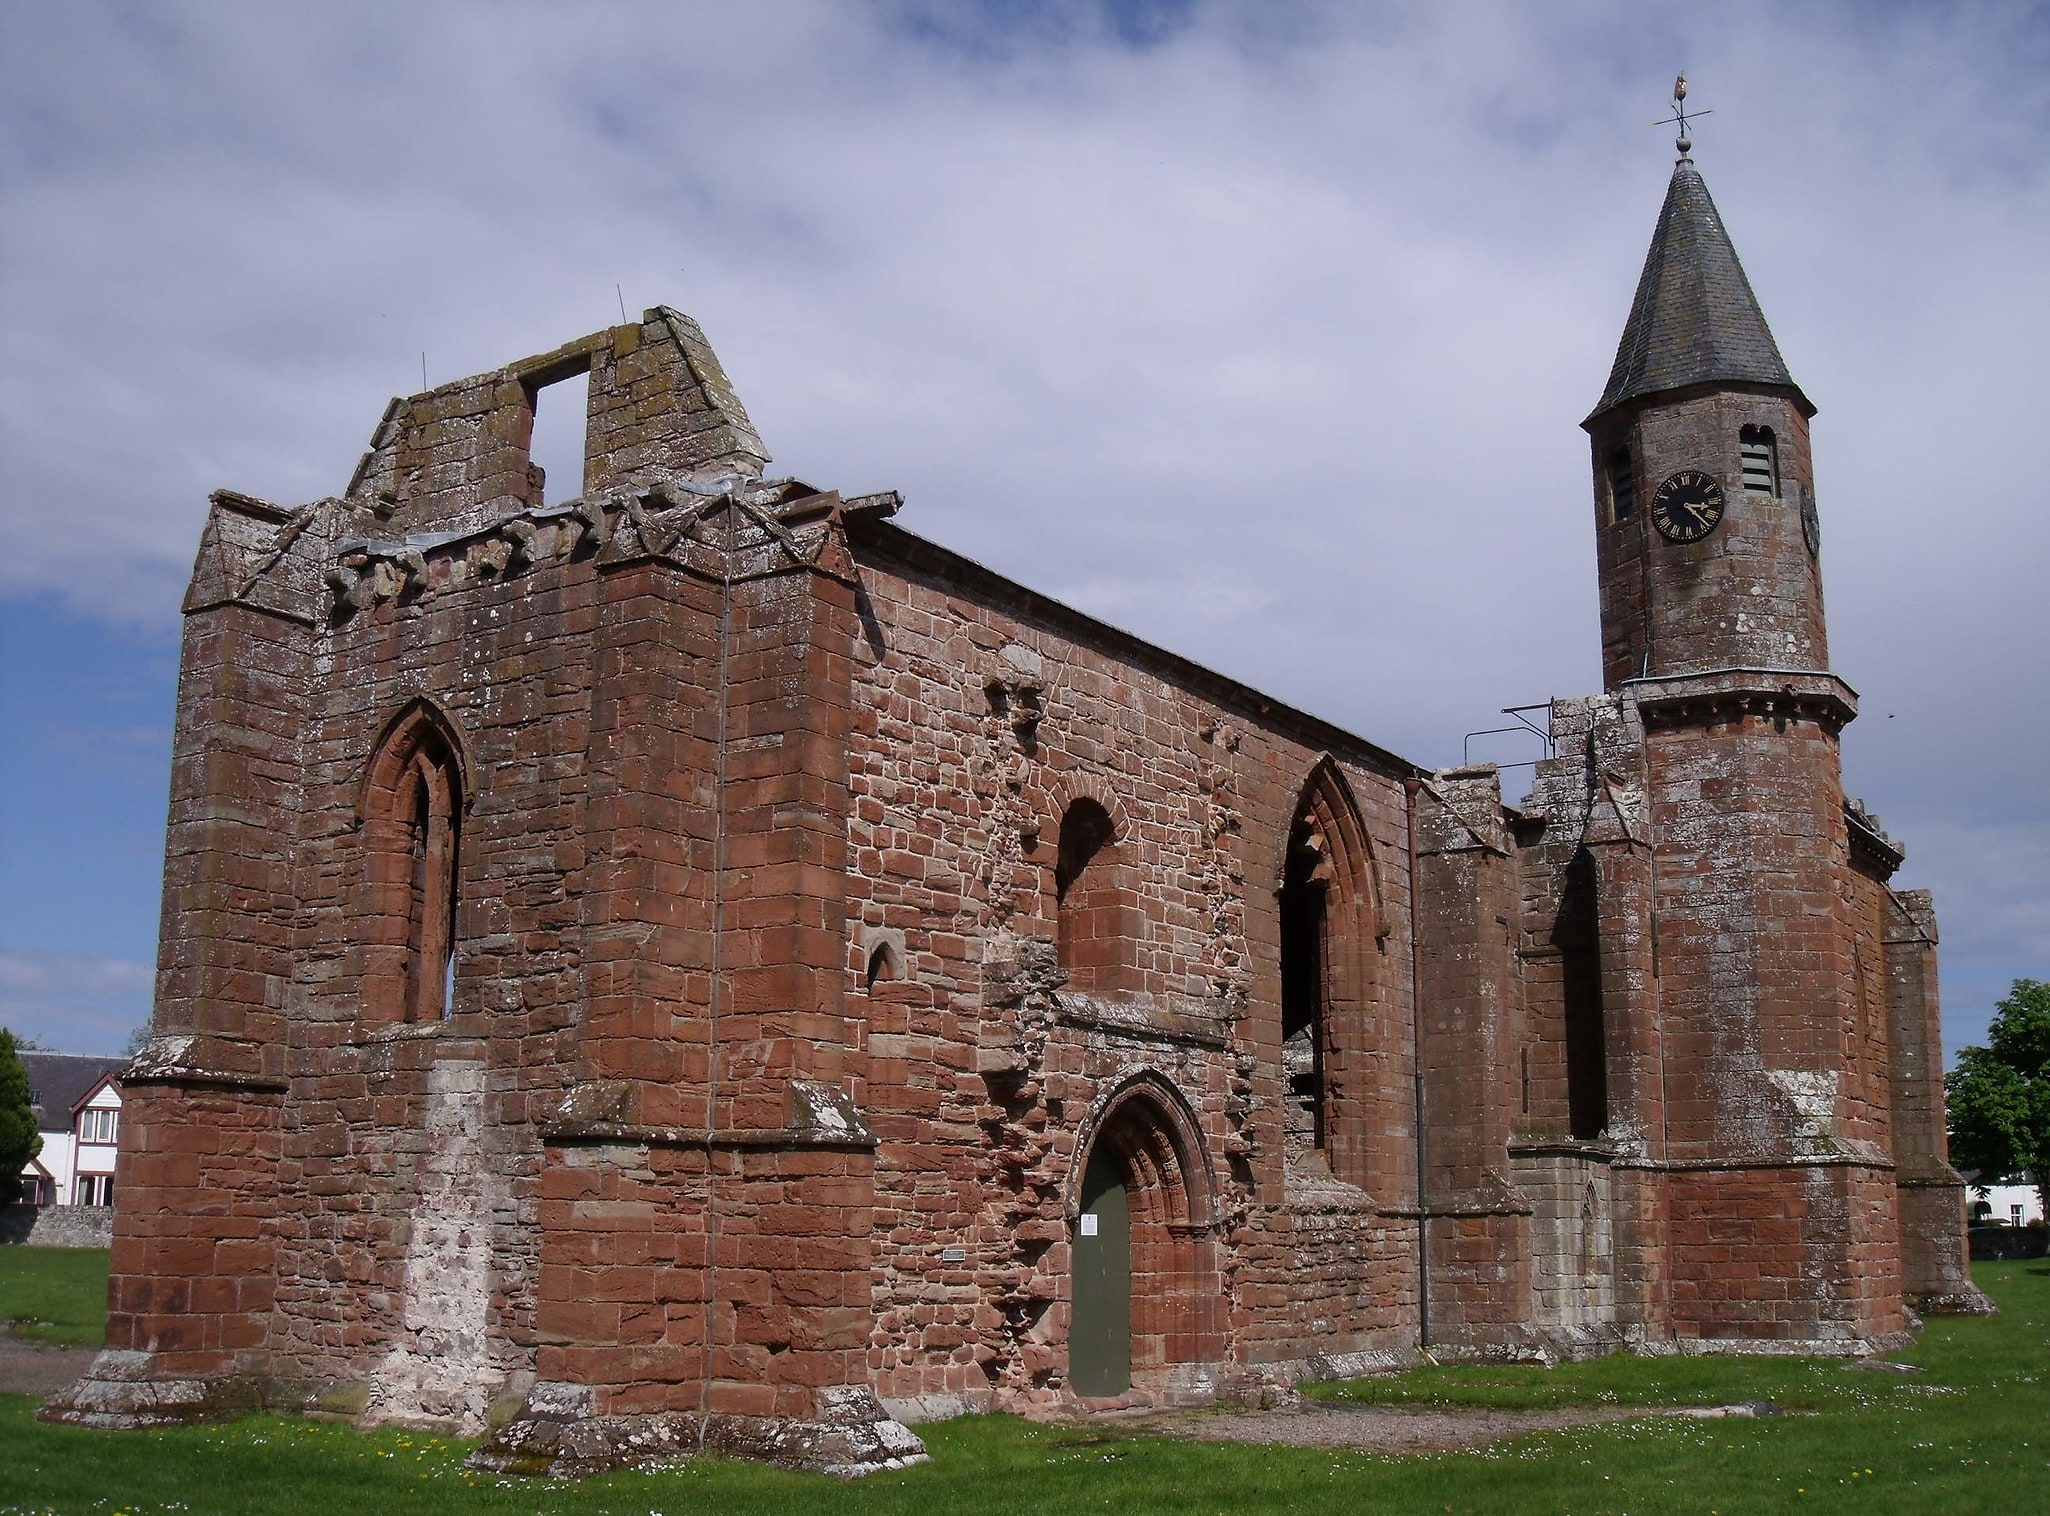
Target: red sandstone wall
515, 664
1792, 1255
191, 1278
1756, 963
625, 1293
1772, 1055
984, 1074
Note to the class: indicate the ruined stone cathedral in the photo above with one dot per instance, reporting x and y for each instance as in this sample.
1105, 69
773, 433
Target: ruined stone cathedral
700, 964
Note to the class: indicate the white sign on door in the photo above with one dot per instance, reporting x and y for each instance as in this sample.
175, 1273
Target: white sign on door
1088, 1223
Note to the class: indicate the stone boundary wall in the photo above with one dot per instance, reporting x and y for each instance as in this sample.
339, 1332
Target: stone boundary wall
57, 1226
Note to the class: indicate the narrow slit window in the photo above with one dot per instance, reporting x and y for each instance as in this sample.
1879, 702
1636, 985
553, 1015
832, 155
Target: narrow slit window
882, 965
1758, 451
1622, 486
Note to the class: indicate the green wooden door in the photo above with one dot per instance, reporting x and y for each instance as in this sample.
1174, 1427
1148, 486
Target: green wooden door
1100, 1333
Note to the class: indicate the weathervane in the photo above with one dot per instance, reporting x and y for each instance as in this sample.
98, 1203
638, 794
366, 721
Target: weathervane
1681, 115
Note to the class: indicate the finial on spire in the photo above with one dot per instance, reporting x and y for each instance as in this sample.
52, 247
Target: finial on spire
1681, 115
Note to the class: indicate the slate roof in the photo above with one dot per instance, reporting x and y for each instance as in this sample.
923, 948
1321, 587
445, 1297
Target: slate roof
58, 1081
1694, 319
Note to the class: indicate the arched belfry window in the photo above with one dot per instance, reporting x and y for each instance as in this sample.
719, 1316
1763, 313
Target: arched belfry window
1758, 451
412, 837
1098, 922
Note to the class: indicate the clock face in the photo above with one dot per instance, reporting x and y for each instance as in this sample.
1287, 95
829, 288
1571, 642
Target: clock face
1811, 524
1687, 507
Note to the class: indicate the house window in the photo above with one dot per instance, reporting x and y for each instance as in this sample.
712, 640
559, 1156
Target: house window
1759, 453
97, 1126
1622, 486
95, 1189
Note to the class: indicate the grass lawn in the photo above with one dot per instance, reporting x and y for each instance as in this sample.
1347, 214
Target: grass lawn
55, 1294
1971, 1433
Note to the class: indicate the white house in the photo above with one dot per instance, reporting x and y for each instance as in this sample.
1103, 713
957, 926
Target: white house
77, 1101
2013, 1204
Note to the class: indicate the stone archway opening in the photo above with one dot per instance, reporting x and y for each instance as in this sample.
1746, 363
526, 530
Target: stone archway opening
1145, 1299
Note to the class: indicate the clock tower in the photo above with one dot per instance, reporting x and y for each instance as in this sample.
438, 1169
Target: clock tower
1763, 1133
1705, 525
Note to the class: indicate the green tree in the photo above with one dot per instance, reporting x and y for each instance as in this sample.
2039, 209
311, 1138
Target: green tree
1999, 1094
19, 1143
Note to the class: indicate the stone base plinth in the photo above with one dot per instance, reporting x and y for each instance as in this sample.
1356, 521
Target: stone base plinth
556, 1434
124, 1390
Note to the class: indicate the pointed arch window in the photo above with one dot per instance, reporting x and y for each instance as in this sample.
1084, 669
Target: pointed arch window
1336, 1094
883, 964
1758, 452
412, 824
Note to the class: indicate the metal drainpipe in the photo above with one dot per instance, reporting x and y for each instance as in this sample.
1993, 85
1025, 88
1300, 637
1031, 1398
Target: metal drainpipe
1411, 788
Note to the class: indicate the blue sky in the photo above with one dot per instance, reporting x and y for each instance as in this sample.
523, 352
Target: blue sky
1263, 330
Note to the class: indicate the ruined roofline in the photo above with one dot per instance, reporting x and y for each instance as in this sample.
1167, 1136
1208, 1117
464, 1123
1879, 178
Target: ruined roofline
878, 540
469, 426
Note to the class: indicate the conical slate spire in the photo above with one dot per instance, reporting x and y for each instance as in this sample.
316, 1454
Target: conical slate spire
1694, 319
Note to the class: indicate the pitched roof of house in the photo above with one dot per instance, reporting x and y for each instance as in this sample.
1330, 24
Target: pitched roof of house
1694, 319
58, 1081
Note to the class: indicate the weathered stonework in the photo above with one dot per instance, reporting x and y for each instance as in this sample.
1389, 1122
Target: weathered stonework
700, 966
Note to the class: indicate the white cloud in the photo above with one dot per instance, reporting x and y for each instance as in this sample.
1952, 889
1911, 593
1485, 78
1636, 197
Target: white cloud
74, 1005
1268, 338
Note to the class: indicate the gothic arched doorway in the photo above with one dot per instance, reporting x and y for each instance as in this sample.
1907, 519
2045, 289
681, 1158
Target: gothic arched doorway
1144, 1293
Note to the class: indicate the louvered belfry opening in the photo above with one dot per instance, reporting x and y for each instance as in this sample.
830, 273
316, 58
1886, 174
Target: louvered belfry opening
1758, 452
1622, 485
